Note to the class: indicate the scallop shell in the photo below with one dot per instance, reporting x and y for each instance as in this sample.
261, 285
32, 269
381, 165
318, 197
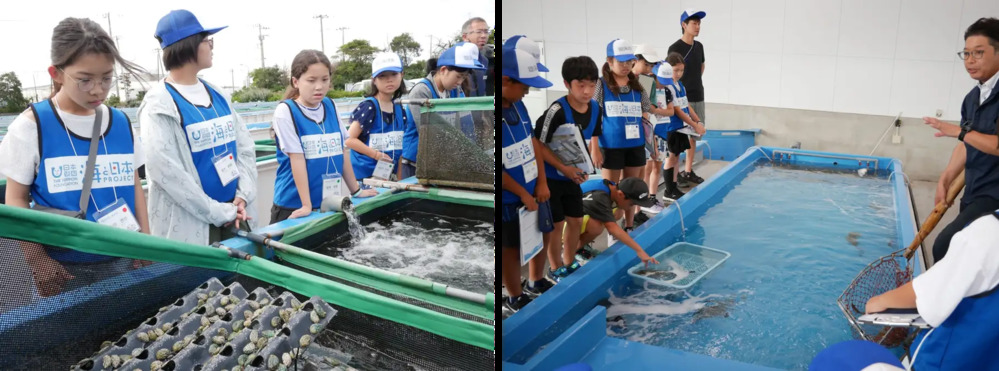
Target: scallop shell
305, 340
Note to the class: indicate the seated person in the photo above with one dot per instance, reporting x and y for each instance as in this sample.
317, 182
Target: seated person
957, 298
604, 203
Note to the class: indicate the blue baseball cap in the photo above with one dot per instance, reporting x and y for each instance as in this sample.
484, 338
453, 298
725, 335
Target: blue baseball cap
464, 55
522, 66
178, 25
385, 62
621, 50
664, 73
691, 13
523, 43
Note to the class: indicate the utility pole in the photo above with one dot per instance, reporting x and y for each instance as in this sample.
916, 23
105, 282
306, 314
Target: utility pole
260, 31
342, 40
430, 47
111, 34
159, 73
232, 77
36, 85
322, 38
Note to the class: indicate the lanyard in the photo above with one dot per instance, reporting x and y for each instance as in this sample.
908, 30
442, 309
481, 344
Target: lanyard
520, 120
322, 126
379, 107
73, 146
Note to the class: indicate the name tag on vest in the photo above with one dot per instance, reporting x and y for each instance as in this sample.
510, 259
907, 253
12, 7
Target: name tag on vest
623, 109
321, 145
212, 133
390, 141
65, 174
518, 154
681, 102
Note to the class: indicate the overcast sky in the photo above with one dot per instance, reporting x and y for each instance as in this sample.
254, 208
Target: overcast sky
26, 29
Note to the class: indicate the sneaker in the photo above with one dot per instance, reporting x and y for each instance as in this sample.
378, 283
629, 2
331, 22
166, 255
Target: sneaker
691, 177
639, 219
673, 194
541, 286
586, 253
629, 229
562, 272
518, 303
681, 180
655, 209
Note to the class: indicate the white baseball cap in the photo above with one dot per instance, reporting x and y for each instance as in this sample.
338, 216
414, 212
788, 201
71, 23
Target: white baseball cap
620, 50
647, 52
691, 13
664, 73
521, 42
385, 62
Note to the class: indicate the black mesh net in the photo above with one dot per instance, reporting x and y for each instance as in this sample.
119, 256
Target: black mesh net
461, 148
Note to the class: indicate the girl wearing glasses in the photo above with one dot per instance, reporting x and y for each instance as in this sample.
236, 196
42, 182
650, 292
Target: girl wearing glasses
202, 172
46, 152
310, 140
446, 74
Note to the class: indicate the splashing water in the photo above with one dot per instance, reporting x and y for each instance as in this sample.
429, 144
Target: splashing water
357, 232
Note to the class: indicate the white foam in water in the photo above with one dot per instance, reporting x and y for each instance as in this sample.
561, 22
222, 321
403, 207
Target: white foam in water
463, 258
354, 225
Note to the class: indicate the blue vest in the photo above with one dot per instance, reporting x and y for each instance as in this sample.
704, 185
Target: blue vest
680, 100
381, 133
981, 170
513, 135
595, 185
550, 170
966, 340
210, 132
59, 180
322, 147
467, 124
663, 126
617, 116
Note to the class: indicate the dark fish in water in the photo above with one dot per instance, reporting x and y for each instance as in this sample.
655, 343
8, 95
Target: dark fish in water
852, 238
617, 321
656, 274
719, 309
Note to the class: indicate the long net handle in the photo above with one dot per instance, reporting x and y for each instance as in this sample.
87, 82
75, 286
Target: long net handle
936, 214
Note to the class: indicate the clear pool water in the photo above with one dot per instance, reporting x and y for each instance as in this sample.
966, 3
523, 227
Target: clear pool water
797, 238
454, 251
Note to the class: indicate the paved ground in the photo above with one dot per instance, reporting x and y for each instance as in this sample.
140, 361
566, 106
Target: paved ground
923, 193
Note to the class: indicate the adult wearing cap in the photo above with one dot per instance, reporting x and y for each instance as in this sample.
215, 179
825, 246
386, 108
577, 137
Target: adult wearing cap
625, 106
603, 203
476, 31
377, 124
201, 162
693, 60
452, 67
524, 182
978, 152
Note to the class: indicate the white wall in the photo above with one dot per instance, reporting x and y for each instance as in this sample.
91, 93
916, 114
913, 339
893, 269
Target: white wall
854, 56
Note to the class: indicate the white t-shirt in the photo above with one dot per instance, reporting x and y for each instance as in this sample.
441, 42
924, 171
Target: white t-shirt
971, 267
196, 94
19, 149
284, 126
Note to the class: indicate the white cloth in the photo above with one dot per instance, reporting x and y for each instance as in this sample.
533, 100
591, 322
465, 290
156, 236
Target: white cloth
178, 207
19, 149
196, 94
987, 88
284, 126
970, 268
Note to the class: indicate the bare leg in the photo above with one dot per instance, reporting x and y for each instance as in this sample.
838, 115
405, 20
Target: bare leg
511, 271
536, 266
690, 155
653, 169
593, 229
554, 245
571, 237
629, 214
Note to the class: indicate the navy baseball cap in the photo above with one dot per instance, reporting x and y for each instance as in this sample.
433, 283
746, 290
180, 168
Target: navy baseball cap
621, 50
178, 25
521, 42
522, 66
691, 13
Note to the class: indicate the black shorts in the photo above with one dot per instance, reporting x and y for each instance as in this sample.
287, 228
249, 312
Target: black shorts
619, 158
566, 199
677, 142
510, 233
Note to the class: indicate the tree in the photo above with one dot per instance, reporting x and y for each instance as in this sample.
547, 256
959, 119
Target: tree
113, 101
492, 37
272, 78
416, 70
12, 100
126, 81
405, 47
349, 72
359, 51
